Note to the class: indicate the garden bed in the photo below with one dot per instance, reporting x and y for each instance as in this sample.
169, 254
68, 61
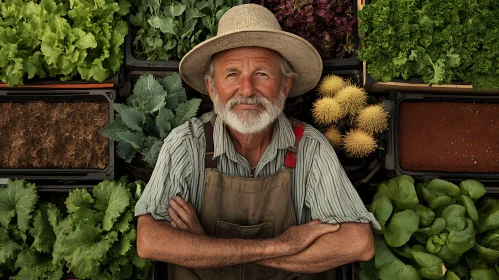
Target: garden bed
446, 136
159, 47
330, 26
430, 43
55, 134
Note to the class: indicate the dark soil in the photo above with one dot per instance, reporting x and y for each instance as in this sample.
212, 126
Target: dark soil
53, 135
449, 136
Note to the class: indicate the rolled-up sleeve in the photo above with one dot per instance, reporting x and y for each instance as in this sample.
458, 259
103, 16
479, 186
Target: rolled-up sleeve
330, 195
168, 179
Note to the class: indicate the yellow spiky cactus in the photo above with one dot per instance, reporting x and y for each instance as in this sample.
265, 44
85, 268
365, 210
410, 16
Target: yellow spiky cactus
327, 110
330, 85
333, 135
358, 143
352, 99
372, 119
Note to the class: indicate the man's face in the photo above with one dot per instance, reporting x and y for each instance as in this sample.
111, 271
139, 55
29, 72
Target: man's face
247, 91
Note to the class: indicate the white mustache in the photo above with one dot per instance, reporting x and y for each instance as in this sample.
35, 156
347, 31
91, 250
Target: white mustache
260, 101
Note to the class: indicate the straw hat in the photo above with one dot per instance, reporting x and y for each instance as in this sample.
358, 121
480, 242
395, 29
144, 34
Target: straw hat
254, 25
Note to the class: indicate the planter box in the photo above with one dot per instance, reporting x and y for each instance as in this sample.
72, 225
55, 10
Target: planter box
454, 148
344, 63
115, 81
103, 99
416, 85
133, 63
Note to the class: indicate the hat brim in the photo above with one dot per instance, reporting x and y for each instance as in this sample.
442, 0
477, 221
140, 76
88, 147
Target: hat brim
304, 58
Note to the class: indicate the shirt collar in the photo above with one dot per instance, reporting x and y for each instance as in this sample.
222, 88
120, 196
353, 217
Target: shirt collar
283, 137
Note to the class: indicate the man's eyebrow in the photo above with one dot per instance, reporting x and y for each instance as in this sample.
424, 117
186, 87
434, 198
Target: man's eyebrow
230, 69
264, 68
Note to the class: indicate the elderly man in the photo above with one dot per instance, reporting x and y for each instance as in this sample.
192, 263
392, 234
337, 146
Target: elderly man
243, 192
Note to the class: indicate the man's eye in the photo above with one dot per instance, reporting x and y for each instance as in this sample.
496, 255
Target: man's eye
262, 74
231, 74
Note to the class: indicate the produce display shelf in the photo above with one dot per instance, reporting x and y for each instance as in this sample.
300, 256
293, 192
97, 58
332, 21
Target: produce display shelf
392, 160
107, 96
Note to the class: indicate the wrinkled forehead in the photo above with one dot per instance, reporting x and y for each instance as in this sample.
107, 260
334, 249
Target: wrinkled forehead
246, 52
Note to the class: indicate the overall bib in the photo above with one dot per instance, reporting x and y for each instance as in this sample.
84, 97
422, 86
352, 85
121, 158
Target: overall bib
246, 208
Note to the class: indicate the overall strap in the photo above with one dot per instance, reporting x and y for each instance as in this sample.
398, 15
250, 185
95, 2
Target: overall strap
209, 162
298, 129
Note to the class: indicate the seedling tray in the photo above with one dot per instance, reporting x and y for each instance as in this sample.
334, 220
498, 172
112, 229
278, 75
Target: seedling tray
59, 96
393, 152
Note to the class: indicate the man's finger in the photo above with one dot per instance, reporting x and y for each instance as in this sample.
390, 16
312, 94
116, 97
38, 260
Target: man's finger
184, 215
173, 224
184, 204
175, 218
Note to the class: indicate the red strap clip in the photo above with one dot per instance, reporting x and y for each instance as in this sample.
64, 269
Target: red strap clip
290, 160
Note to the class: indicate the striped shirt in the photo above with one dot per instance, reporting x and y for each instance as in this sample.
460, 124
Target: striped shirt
320, 188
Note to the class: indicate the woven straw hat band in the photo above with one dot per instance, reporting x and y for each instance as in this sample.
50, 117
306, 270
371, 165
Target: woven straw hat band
248, 16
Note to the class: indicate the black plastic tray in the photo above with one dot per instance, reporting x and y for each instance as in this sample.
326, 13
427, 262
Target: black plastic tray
392, 156
115, 81
108, 96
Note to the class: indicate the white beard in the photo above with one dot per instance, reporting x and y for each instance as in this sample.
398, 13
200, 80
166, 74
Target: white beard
249, 121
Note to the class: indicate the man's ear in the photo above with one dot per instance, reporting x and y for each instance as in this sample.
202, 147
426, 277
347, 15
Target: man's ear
209, 87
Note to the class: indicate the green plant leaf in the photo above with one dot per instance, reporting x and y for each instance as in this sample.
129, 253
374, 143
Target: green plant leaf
119, 107
491, 256
461, 241
111, 130
131, 139
469, 205
36, 266
133, 119
125, 151
382, 208
439, 187
84, 248
152, 155
8, 248
400, 189
185, 111
17, 199
437, 227
432, 266
483, 274
440, 201
163, 121
402, 226
425, 214
454, 217
112, 198
42, 231
390, 266
472, 188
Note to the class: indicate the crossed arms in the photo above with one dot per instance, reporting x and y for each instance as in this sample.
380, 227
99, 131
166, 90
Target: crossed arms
307, 248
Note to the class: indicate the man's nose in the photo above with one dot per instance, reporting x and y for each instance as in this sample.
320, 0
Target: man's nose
246, 88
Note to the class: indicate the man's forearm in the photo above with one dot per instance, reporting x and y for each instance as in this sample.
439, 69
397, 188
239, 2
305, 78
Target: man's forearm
353, 242
157, 240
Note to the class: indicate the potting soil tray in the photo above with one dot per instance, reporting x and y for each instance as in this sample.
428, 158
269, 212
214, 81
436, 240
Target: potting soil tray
54, 134
448, 136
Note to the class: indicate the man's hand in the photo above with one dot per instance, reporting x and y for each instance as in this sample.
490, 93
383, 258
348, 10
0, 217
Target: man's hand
298, 238
184, 216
